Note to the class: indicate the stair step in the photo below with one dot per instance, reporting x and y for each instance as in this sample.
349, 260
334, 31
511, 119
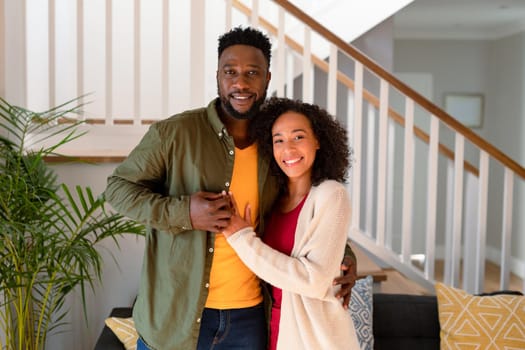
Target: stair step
399, 284
365, 266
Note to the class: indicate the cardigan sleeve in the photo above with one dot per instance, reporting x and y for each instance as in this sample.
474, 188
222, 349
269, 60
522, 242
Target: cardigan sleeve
319, 245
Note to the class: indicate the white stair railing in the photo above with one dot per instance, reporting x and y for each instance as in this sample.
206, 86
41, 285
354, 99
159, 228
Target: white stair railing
417, 220
149, 67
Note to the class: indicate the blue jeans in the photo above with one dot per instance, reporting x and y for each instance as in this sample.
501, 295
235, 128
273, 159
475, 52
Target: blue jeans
241, 329
233, 329
141, 345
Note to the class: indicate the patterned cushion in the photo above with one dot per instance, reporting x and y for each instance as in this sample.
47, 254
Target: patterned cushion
362, 312
480, 322
124, 329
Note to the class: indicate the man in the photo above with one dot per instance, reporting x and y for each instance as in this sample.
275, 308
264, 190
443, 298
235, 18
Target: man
195, 292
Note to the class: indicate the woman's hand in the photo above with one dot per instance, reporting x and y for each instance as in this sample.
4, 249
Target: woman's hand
236, 221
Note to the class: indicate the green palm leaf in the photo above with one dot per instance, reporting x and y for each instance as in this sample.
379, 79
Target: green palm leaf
48, 232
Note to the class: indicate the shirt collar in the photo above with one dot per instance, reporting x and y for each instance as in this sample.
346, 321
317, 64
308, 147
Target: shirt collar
215, 121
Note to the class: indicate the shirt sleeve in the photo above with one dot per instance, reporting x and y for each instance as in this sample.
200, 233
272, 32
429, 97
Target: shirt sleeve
349, 252
136, 188
316, 256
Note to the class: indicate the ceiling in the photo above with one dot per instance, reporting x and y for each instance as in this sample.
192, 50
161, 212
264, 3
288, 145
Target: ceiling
460, 19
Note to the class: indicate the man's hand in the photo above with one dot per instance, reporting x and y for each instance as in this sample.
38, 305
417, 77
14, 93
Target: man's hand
237, 222
347, 280
210, 211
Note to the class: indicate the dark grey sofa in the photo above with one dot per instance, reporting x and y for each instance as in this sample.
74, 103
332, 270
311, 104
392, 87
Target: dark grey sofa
404, 321
400, 321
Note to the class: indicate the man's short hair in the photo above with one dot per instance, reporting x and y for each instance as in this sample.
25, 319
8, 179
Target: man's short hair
246, 36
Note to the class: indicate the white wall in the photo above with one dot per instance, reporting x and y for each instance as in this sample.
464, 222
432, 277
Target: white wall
456, 65
16, 73
2, 49
505, 91
121, 270
506, 107
378, 44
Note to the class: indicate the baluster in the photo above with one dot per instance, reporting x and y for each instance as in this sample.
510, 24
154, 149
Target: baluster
391, 163
430, 251
228, 19
52, 52
109, 63
382, 162
470, 239
254, 19
165, 52
331, 97
281, 50
80, 51
506, 229
137, 90
408, 182
290, 75
197, 53
370, 167
307, 66
357, 125
481, 240
458, 208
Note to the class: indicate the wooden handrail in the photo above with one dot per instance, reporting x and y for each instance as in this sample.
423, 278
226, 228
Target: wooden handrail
349, 83
403, 88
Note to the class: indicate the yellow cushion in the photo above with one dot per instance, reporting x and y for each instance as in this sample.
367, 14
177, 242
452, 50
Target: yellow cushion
124, 329
480, 322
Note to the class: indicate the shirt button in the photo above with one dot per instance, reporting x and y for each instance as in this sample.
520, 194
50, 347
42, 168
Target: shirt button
227, 184
210, 250
198, 320
231, 153
207, 285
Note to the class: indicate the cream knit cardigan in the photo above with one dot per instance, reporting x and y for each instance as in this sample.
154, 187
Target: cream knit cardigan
311, 316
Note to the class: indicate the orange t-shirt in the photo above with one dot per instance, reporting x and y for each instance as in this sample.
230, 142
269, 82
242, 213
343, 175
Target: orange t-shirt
232, 284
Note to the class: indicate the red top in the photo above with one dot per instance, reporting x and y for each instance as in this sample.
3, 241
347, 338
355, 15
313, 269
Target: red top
280, 235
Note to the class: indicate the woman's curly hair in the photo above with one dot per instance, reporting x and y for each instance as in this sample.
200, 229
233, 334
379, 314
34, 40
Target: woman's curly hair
332, 160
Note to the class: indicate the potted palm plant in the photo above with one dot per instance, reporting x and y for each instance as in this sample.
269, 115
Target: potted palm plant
48, 231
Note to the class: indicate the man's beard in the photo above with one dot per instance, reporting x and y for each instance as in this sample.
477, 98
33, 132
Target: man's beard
249, 114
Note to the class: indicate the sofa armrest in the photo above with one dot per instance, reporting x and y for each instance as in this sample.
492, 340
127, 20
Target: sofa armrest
108, 340
402, 321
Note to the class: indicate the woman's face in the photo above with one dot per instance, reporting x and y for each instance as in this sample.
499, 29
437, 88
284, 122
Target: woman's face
294, 145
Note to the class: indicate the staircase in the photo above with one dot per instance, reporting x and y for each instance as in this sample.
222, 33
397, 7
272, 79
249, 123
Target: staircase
420, 182
448, 206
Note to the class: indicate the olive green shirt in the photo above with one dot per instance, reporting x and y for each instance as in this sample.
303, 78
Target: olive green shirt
177, 157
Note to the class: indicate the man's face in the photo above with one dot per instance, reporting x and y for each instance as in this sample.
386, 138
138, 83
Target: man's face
242, 80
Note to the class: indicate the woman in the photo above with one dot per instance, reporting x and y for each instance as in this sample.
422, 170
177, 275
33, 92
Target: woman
305, 236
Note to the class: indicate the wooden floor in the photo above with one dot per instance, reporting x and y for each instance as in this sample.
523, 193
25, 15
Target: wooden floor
492, 276
392, 282
397, 283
